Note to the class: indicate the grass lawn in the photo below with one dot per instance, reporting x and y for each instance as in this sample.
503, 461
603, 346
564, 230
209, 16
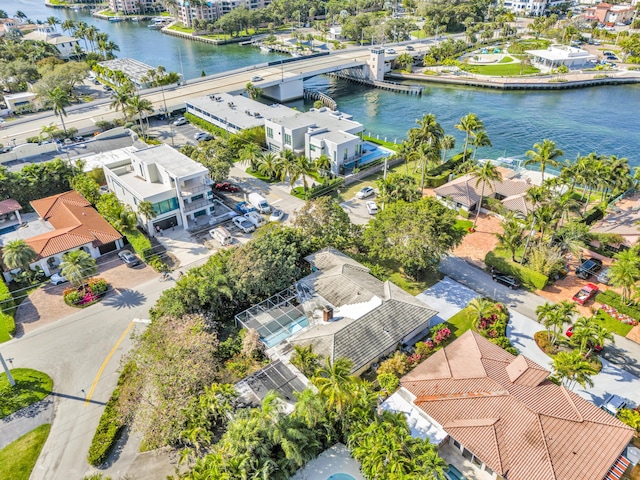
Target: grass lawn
504, 70
464, 224
611, 324
506, 60
31, 387
390, 145
4, 328
414, 287
460, 323
259, 176
180, 28
18, 458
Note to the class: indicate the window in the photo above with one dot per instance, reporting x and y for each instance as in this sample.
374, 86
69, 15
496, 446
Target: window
312, 148
166, 205
269, 132
197, 197
287, 139
456, 443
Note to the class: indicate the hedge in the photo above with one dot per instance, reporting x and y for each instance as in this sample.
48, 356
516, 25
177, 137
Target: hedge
613, 299
111, 423
593, 215
438, 180
524, 274
140, 243
208, 126
7, 311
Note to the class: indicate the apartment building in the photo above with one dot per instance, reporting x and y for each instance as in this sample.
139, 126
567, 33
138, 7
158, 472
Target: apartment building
134, 7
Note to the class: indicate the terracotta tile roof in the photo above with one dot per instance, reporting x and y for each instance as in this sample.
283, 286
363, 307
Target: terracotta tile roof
75, 221
466, 190
9, 205
505, 410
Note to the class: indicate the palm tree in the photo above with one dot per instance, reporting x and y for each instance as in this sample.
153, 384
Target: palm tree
252, 91
140, 106
335, 383
469, 124
481, 307
145, 208
77, 266
305, 360
81, 32
47, 130
120, 99
406, 60
268, 166
625, 272
512, 234
571, 368
21, 15
447, 143
68, 25
583, 333
59, 100
601, 335
544, 154
53, 21
486, 172
480, 139
323, 164
18, 254
251, 153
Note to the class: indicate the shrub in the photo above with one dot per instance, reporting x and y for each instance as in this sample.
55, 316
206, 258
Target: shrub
593, 215
388, 382
464, 213
111, 422
524, 274
613, 299
72, 297
98, 286
441, 335
437, 180
157, 264
424, 349
542, 340
396, 365
140, 243
209, 127
7, 309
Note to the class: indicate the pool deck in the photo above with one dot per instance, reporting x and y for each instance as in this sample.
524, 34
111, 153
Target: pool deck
336, 459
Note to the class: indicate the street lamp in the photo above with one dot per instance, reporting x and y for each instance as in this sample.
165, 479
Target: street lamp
12, 382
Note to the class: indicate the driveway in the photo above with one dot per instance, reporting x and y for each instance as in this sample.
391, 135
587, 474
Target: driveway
448, 297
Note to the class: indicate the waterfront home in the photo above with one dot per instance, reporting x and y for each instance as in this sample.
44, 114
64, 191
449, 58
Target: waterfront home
621, 220
502, 417
559, 55
342, 311
66, 46
178, 188
64, 223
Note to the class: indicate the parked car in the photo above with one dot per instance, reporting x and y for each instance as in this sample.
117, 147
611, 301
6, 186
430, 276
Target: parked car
243, 224
205, 138
255, 218
256, 78
613, 404
365, 192
180, 121
603, 276
372, 208
506, 280
226, 187
588, 268
244, 207
199, 135
57, 279
585, 294
569, 333
276, 215
129, 259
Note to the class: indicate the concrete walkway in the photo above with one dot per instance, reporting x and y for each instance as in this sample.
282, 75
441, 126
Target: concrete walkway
448, 297
23, 421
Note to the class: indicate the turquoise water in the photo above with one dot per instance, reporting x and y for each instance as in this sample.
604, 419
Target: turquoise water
286, 332
341, 476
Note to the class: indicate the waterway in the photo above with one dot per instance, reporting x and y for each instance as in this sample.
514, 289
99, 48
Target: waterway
602, 119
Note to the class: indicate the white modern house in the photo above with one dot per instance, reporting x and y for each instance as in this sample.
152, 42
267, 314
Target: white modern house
317, 132
530, 7
556, 56
178, 187
65, 45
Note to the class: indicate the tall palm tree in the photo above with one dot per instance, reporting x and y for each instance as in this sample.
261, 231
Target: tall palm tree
486, 172
469, 124
68, 25
81, 32
426, 156
77, 266
447, 143
53, 21
18, 254
145, 208
625, 272
268, 166
481, 307
142, 107
251, 154
584, 332
335, 383
120, 99
571, 368
252, 91
323, 164
480, 139
512, 234
544, 154
59, 100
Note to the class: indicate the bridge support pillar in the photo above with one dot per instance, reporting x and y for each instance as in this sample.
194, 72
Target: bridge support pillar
285, 91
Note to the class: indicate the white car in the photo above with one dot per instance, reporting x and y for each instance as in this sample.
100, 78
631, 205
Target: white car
243, 224
180, 121
256, 78
255, 218
390, 51
57, 279
372, 208
276, 215
365, 192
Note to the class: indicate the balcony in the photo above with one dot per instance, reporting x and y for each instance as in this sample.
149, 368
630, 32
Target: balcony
190, 189
197, 205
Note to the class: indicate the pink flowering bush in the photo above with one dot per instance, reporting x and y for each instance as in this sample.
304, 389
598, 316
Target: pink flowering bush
441, 335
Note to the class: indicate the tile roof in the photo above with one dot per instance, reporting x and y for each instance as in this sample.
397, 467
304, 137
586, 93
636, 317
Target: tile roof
466, 191
9, 205
75, 221
505, 410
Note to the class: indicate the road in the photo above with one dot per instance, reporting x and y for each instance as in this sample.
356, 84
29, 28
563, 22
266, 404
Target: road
85, 115
72, 351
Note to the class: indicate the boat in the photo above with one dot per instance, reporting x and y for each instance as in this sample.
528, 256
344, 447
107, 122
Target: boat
116, 19
135, 19
296, 54
265, 49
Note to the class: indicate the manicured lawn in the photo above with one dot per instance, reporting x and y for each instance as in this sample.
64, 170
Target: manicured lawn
31, 387
4, 328
180, 28
464, 224
414, 287
259, 176
506, 60
460, 323
611, 324
389, 145
504, 70
18, 458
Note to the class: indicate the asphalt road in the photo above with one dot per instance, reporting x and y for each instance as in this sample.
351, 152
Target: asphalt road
72, 351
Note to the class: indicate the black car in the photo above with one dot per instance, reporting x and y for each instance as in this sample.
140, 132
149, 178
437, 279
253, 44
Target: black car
589, 268
506, 280
129, 259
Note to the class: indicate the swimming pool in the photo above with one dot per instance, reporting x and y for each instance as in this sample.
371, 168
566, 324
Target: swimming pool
10, 228
341, 476
285, 332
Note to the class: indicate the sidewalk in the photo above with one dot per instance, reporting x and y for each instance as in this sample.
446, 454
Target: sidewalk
23, 421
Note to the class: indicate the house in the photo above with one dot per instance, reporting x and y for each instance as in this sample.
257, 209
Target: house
557, 56
178, 188
65, 45
505, 419
275, 377
188, 11
66, 222
530, 8
464, 192
609, 14
235, 113
134, 71
23, 102
620, 221
8, 24
342, 311
10, 217
335, 33
318, 132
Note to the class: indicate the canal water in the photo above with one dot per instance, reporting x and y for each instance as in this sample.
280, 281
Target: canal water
602, 119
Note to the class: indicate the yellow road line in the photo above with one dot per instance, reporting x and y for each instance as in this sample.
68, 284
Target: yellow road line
104, 364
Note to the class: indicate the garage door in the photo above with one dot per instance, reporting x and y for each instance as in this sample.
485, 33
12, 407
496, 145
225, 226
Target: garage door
166, 223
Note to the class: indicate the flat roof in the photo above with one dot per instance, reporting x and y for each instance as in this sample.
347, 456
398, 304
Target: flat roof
174, 162
567, 53
322, 118
131, 67
141, 186
101, 159
240, 111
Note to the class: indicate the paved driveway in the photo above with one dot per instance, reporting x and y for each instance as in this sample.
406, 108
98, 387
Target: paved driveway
448, 297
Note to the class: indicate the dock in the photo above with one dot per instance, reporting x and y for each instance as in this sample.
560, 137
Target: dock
384, 85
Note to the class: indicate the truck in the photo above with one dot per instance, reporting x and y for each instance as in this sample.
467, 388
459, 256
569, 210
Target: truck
259, 202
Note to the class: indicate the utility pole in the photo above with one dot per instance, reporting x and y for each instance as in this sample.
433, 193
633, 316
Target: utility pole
12, 382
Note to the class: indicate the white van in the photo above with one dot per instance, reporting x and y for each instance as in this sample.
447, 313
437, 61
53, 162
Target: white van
259, 202
255, 218
221, 235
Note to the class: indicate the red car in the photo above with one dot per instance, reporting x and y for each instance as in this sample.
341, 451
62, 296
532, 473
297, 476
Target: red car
597, 348
227, 187
585, 294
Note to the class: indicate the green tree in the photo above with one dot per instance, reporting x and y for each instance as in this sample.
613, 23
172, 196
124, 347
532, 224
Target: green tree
18, 254
544, 154
335, 384
398, 187
416, 235
147, 211
480, 139
481, 307
469, 124
77, 266
87, 187
483, 173
59, 99
252, 91
512, 236
625, 272
584, 334
323, 164
305, 360
120, 99
141, 107
570, 368
406, 60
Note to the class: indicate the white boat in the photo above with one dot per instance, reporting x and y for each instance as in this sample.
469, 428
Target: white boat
116, 19
135, 19
265, 49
